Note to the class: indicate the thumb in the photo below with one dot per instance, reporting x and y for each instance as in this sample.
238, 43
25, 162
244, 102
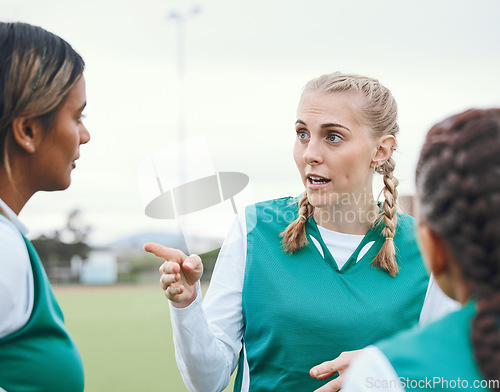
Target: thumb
193, 268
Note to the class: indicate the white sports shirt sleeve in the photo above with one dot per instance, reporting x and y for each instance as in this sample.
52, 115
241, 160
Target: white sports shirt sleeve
16, 277
208, 336
371, 371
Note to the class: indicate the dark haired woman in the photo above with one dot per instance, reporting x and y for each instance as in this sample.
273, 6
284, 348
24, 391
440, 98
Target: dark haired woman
42, 96
458, 185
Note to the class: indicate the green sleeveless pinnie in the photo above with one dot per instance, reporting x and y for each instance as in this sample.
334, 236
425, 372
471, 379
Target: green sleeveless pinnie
300, 310
41, 356
438, 357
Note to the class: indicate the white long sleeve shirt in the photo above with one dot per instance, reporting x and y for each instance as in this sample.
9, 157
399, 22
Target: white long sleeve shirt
16, 276
371, 371
208, 336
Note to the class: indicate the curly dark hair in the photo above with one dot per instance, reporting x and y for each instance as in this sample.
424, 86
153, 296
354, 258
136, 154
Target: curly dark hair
458, 184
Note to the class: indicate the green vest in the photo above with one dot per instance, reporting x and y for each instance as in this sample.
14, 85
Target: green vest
41, 356
300, 310
438, 356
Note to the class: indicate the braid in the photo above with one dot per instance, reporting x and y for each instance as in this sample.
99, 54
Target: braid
458, 182
294, 236
386, 257
485, 337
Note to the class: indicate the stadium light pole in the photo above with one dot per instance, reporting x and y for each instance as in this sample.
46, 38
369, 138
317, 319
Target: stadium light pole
180, 20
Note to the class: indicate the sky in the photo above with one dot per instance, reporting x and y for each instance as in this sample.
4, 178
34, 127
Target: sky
245, 63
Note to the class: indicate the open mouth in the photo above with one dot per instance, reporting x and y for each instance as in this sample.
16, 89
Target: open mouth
316, 180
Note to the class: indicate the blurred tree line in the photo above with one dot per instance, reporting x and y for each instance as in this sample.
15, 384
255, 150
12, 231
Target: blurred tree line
56, 249
143, 267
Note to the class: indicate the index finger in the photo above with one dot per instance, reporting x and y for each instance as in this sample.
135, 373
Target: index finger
324, 370
169, 254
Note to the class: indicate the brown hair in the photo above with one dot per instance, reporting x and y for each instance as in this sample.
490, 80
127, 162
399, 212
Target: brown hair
37, 71
458, 184
380, 113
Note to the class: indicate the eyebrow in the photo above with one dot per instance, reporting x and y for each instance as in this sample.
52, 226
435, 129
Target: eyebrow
327, 125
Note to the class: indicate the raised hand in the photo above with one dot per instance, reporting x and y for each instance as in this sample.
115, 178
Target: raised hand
179, 273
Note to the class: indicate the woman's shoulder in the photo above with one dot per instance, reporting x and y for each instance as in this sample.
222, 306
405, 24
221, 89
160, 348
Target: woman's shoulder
14, 257
432, 339
9, 234
274, 213
406, 228
286, 201
406, 220
282, 205
16, 280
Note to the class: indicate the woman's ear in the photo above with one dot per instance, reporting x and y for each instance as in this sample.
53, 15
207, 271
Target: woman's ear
27, 133
385, 147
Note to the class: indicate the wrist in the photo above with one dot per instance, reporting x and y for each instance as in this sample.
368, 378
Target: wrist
186, 302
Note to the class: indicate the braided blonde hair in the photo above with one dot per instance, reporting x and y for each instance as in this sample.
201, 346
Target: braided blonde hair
380, 113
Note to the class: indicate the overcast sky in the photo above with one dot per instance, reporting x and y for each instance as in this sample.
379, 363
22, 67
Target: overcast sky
246, 62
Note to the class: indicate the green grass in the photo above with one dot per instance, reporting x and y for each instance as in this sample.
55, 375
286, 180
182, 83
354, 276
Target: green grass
124, 336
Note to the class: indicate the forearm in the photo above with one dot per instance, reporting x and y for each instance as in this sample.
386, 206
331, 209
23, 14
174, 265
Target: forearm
208, 338
205, 362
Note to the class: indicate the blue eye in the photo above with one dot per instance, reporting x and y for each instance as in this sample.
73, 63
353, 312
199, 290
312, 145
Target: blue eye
334, 138
302, 135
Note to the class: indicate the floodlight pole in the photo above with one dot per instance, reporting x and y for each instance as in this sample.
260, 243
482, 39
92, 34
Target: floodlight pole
180, 20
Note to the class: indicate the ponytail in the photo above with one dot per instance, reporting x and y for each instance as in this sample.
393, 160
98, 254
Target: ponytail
386, 257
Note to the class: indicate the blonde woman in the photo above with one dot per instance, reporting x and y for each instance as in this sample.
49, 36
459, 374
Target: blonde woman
42, 96
300, 281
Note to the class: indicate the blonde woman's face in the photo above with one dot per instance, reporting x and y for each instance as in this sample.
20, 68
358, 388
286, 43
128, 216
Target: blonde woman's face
334, 150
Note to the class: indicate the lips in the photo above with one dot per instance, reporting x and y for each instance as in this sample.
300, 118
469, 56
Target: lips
315, 181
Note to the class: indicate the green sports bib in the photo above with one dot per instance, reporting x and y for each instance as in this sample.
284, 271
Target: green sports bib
41, 356
438, 357
300, 310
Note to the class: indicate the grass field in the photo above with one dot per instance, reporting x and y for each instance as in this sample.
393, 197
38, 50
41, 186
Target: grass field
124, 336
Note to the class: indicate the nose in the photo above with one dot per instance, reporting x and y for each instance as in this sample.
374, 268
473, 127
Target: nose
313, 154
84, 135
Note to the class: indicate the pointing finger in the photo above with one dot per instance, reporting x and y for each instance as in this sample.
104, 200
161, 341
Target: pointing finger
164, 252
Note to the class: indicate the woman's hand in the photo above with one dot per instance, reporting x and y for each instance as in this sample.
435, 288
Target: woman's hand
328, 369
179, 274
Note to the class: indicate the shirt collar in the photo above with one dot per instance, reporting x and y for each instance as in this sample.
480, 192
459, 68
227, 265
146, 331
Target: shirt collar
11, 215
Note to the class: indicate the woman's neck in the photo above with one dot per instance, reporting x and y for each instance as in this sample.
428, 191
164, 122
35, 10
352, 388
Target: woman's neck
348, 217
13, 193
